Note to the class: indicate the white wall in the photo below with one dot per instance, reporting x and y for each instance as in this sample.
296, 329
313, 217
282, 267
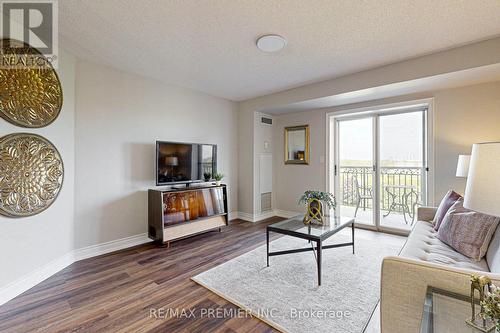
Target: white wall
462, 116
119, 117
263, 144
27, 244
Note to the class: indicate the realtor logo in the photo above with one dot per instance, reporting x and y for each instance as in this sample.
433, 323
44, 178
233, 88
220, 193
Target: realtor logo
32, 22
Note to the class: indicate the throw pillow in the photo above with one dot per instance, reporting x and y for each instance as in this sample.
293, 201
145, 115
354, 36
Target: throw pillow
448, 200
467, 231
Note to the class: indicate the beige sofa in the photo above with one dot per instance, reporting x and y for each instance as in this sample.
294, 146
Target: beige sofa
426, 261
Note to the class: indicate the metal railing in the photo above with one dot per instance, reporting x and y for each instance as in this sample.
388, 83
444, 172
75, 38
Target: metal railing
391, 179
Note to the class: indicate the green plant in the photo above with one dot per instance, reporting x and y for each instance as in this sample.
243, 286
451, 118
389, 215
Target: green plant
491, 304
207, 175
218, 176
326, 197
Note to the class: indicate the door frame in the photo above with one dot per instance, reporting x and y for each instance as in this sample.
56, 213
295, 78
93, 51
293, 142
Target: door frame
374, 110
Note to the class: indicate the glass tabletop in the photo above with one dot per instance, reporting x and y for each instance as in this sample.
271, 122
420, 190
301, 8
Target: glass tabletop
446, 312
330, 226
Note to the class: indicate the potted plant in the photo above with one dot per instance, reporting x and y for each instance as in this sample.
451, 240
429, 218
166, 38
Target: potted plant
207, 176
314, 201
491, 305
218, 177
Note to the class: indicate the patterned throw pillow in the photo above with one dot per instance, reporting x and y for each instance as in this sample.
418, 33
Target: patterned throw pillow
448, 200
467, 231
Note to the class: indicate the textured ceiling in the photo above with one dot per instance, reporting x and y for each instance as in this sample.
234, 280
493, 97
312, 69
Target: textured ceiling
210, 45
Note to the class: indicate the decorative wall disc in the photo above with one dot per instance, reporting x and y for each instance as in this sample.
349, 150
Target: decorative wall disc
31, 174
30, 91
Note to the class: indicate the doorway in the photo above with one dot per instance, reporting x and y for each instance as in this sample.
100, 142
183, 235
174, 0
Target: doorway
378, 165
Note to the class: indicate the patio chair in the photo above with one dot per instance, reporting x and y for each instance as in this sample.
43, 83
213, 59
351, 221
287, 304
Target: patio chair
363, 193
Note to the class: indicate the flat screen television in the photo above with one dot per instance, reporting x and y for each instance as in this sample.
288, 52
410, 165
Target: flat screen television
181, 163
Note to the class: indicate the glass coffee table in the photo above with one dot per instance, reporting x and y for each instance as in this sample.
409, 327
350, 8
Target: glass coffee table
446, 312
313, 233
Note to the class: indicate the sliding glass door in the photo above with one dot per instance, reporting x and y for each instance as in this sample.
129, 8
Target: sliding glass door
402, 186
355, 169
380, 166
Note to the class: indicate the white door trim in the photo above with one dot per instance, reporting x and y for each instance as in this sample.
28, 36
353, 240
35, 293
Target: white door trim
386, 109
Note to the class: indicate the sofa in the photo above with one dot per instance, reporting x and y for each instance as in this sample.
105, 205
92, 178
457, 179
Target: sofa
426, 261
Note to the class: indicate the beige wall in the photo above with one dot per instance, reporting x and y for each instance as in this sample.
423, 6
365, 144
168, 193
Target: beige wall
462, 116
246, 162
27, 244
119, 117
292, 180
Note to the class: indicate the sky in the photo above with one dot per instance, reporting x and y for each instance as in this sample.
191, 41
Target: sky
400, 139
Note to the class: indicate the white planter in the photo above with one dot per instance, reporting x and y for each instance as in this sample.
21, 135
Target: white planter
218, 182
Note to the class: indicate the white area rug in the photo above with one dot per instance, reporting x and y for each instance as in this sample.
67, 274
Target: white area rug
286, 294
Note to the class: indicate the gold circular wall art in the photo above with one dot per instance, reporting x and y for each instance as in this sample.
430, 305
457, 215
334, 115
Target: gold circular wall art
30, 90
31, 174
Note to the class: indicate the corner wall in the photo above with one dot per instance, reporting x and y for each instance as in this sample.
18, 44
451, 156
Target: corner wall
119, 118
29, 244
291, 180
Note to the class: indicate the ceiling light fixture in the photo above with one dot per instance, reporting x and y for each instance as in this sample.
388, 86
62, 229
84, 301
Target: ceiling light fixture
271, 43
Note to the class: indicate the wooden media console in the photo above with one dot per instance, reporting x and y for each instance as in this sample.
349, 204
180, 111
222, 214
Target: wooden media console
179, 213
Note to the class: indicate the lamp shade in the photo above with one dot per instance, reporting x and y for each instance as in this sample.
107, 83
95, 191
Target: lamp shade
483, 184
463, 165
171, 161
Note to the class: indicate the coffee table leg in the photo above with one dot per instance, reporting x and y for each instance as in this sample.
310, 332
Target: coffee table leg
352, 226
267, 242
319, 250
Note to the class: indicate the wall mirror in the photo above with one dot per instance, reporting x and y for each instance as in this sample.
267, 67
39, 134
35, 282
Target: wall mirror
297, 144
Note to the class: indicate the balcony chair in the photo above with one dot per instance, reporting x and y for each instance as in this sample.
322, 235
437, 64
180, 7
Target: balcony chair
363, 193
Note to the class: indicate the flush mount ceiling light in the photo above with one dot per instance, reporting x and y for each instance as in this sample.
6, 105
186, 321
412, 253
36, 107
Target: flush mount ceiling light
271, 43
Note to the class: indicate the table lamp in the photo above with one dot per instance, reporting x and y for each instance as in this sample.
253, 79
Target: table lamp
463, 166
171, 161
483, 182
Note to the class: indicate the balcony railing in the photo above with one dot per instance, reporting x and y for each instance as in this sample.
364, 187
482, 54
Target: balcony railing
395, 184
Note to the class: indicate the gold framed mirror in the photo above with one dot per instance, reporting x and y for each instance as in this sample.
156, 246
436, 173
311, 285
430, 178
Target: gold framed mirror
297, 144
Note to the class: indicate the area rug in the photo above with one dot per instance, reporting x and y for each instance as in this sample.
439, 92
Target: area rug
286, 295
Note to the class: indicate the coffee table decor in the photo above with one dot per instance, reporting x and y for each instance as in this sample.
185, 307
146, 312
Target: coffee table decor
314, 201
491, 305
481, 284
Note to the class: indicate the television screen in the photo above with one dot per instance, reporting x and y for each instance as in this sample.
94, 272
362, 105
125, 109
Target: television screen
184, 162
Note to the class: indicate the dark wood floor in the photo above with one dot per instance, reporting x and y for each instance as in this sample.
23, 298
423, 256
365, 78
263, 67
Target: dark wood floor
117, 292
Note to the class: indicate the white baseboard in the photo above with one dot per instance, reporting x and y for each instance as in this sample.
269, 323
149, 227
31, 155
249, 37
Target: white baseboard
286, 213
245, 216
255, 217
30, 280
112, 246
262, 216
233, 215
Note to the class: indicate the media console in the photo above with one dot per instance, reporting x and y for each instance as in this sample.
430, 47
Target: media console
179, 213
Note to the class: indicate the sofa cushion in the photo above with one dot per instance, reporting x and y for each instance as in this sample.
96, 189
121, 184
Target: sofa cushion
493, 254
423, 244
448, 200
467, 231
